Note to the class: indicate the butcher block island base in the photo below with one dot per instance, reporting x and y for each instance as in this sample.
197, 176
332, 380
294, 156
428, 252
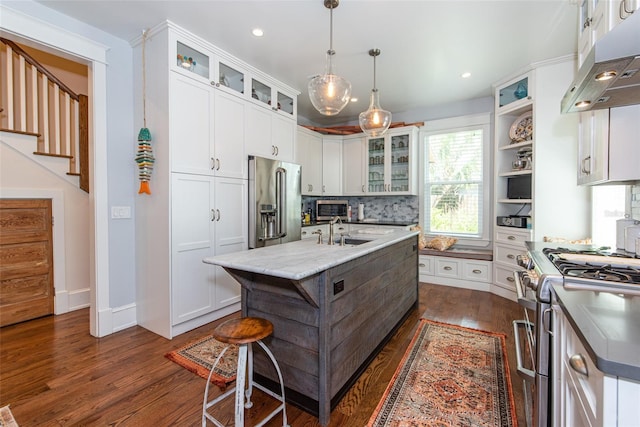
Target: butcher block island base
332, 307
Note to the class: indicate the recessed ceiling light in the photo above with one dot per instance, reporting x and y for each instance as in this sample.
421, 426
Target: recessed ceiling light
465, 75
257, 32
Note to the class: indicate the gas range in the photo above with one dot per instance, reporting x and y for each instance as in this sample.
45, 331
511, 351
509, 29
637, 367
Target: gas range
582, 267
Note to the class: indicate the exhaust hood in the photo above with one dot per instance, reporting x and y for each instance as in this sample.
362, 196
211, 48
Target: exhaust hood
610, 74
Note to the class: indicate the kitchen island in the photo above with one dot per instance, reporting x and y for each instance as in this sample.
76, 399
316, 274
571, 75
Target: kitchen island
333, 308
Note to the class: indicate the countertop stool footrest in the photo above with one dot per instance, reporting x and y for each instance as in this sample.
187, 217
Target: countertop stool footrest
243, 332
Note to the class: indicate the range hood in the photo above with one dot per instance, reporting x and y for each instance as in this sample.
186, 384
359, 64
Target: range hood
617, 56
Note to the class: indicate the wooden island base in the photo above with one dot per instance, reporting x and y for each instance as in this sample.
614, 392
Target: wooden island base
329, 326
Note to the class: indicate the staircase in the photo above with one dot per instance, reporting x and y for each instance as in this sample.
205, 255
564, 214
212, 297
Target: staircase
41, 117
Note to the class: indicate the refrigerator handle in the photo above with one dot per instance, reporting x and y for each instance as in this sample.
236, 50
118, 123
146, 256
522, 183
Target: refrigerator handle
281, 201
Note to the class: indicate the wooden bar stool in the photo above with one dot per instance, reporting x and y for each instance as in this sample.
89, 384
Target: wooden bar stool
243, 332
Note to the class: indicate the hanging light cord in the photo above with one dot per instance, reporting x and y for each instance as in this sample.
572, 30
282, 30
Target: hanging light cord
331, 51
144, 79
374, 73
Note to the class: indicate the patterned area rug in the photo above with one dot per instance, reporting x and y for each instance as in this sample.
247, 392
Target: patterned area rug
449, 376
200, 355
6, 417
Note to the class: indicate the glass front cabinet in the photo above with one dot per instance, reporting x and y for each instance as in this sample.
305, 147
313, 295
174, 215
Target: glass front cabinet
391, 162
194, 59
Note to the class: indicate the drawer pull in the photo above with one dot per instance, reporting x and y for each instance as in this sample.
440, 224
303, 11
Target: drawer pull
422, 265
447, 268
511, 256
511, 237
578, 364
510, 279
476, 271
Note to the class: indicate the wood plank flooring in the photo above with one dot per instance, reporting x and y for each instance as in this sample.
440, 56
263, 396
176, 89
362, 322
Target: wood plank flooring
53, 373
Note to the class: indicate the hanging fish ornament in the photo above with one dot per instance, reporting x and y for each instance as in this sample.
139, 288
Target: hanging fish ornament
145, 160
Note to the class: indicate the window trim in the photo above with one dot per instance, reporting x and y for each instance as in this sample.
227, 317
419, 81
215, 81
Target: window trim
453, 124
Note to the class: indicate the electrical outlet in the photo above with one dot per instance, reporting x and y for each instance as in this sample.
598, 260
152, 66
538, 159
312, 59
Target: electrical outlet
338, 287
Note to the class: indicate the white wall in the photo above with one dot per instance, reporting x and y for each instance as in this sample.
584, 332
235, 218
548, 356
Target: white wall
121, 138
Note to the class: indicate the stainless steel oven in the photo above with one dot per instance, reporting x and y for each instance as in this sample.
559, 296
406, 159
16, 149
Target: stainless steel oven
547, 265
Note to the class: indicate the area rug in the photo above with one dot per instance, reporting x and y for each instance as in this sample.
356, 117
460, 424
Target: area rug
200, 355
6, 417
449, 376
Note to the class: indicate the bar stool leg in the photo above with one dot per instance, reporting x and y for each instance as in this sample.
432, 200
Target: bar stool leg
241, 373
281, 397
205, 404
248, 403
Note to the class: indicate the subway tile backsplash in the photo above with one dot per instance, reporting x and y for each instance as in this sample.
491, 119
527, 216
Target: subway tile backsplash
376, 207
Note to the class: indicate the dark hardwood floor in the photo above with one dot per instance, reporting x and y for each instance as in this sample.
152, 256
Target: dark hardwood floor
52, 372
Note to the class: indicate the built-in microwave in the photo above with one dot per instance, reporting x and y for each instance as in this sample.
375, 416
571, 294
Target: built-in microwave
328, 209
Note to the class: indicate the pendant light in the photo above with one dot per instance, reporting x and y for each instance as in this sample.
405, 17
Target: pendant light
375, 121
328, 92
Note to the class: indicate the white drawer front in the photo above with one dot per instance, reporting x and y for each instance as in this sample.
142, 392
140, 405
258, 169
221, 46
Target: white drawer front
508, 254
503, 277
448, 267
513, 236
477, 271
425, 265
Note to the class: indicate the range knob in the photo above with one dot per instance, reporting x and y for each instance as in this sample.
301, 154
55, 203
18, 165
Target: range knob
525, 279
524, 261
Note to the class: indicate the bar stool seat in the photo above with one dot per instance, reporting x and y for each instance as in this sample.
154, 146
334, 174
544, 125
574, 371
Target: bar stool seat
243, 332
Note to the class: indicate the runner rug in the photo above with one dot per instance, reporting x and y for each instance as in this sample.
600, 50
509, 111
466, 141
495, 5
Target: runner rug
200, 355
449, 376
6, 417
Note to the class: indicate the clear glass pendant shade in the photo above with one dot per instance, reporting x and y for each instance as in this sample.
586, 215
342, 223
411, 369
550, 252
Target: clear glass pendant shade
375, 121
329, 93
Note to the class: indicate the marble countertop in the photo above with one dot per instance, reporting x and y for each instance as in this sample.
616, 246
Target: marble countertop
304, 258
608, 326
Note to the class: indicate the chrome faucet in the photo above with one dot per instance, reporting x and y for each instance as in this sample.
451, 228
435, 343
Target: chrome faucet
331, 222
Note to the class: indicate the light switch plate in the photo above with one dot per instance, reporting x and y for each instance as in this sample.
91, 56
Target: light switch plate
120, 212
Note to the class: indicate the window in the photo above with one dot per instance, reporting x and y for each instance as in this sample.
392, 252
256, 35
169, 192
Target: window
455, 178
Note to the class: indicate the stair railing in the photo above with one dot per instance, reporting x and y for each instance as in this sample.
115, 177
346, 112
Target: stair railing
36, 102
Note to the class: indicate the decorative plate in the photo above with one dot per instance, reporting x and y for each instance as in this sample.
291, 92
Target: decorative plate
522, 128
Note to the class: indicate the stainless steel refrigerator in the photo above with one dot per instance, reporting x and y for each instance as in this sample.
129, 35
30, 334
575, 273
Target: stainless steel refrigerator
274, 202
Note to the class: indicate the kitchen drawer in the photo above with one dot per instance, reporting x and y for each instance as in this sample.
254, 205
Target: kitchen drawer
448, 267
503, 277
425, 265
477, 271
588, 388
512, 236
507, 254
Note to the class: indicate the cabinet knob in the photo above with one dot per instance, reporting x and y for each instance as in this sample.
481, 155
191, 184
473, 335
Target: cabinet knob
579, 364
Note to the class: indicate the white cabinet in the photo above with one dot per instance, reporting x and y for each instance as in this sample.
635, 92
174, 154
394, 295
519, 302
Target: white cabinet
207, 218
587, 396
457, 272
198, 106
309, 157
392, 162
607, 151
353, 166
508, 244
269, 135
332, 166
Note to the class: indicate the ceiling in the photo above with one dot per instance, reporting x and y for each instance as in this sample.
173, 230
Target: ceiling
425, 44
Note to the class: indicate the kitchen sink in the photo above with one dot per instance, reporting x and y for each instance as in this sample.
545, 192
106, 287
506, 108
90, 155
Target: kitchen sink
349, 241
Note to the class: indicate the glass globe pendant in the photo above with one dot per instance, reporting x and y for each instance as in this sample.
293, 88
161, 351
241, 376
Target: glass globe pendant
328, 92
375, 121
